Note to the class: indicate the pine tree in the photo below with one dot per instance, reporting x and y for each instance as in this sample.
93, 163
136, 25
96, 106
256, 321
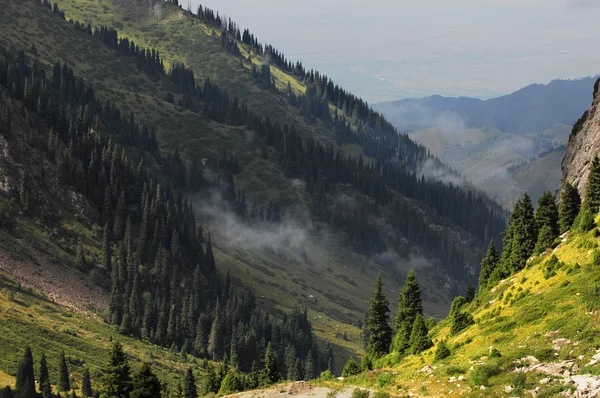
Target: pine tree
592, 192
45, 387
117, 374
585, 219
25, 376
380, 332
524, 235
86, 384
309, 367
190, 385
546, 218
230, 384
270, 372
145, 384
419, 340
80, 256
570, 203
211, 384
64, 383
488, 264
409, 306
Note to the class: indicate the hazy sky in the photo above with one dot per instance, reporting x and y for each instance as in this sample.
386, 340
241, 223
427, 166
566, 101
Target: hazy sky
391, 49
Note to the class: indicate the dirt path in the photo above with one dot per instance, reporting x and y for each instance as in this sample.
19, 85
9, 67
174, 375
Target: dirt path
299, 389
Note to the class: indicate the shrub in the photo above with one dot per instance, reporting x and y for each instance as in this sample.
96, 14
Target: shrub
359, 393
453, 370
381, 394
461, 320
332, 393
442, 351
230, 384
494, 353
384, 379
351, 368
327, 375
481, 374
520, 381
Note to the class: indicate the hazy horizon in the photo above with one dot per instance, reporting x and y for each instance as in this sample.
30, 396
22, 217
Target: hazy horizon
386, 50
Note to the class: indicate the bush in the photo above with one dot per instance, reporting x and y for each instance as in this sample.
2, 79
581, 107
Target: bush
359, 393
327, 375
230, 384
381, 394
520, 381
461, 320
384, 379
442, 351
494, 353
481, 374
453, 370
332, 393
351, 368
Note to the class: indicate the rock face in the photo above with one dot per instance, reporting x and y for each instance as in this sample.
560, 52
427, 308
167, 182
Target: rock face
583, 144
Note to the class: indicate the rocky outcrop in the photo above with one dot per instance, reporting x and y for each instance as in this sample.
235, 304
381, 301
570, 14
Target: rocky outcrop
583, 144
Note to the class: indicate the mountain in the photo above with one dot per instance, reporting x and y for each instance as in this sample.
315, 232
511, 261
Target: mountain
528, 110
582, 146
169, 174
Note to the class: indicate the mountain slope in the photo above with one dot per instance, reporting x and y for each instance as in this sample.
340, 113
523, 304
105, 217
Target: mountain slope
528, 110
197, 126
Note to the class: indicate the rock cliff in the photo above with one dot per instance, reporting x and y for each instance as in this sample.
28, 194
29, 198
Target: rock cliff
583, 144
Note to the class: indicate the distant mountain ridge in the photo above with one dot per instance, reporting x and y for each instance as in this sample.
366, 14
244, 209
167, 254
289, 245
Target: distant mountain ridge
530, 109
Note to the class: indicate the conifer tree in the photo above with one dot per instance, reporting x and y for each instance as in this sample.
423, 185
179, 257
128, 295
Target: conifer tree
230, 384
488, 264
145, 384
64, 383
80, 256
190, 385
546, 218
419, 339
117, 374
45, 387
25, 376
270, 372
86, 384
309, 367
409, 306
524, 234
585, 219
211, 384
570, 204
380, 332
592, 192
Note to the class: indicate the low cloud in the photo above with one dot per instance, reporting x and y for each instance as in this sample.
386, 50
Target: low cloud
431, 171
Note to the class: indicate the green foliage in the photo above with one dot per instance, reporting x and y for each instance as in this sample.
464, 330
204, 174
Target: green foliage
592, 192
366, 363
546, 214
351, 368
86, 384
327, 375
520, 381
409, 306
453, 370
481, 374
145, 383
189, 390
359, 393
117, 374
552, 265
419, 339
585, 218
460, 321
381, 394
64, 384
494, 353
270, 373
44, 381
442, 351
380, 332
570, 203
25, 376
545, 240
384, 380
333, 393
230, 384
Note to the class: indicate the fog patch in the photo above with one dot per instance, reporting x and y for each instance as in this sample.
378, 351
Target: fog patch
430, 170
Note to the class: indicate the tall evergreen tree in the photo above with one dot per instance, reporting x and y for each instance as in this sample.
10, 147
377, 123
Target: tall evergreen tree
592, 192
419, 340
546, 218
117, 374
86, 384
524, 234
145, 384
488, 264
270, 372
64, 382
380, 332
409, 306
25, 376
45, 387
570, 203
190, 385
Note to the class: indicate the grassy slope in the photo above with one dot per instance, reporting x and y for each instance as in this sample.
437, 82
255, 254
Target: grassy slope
513, 317
27, 318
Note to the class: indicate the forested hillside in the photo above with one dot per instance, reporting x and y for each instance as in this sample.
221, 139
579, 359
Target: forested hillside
218, 211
